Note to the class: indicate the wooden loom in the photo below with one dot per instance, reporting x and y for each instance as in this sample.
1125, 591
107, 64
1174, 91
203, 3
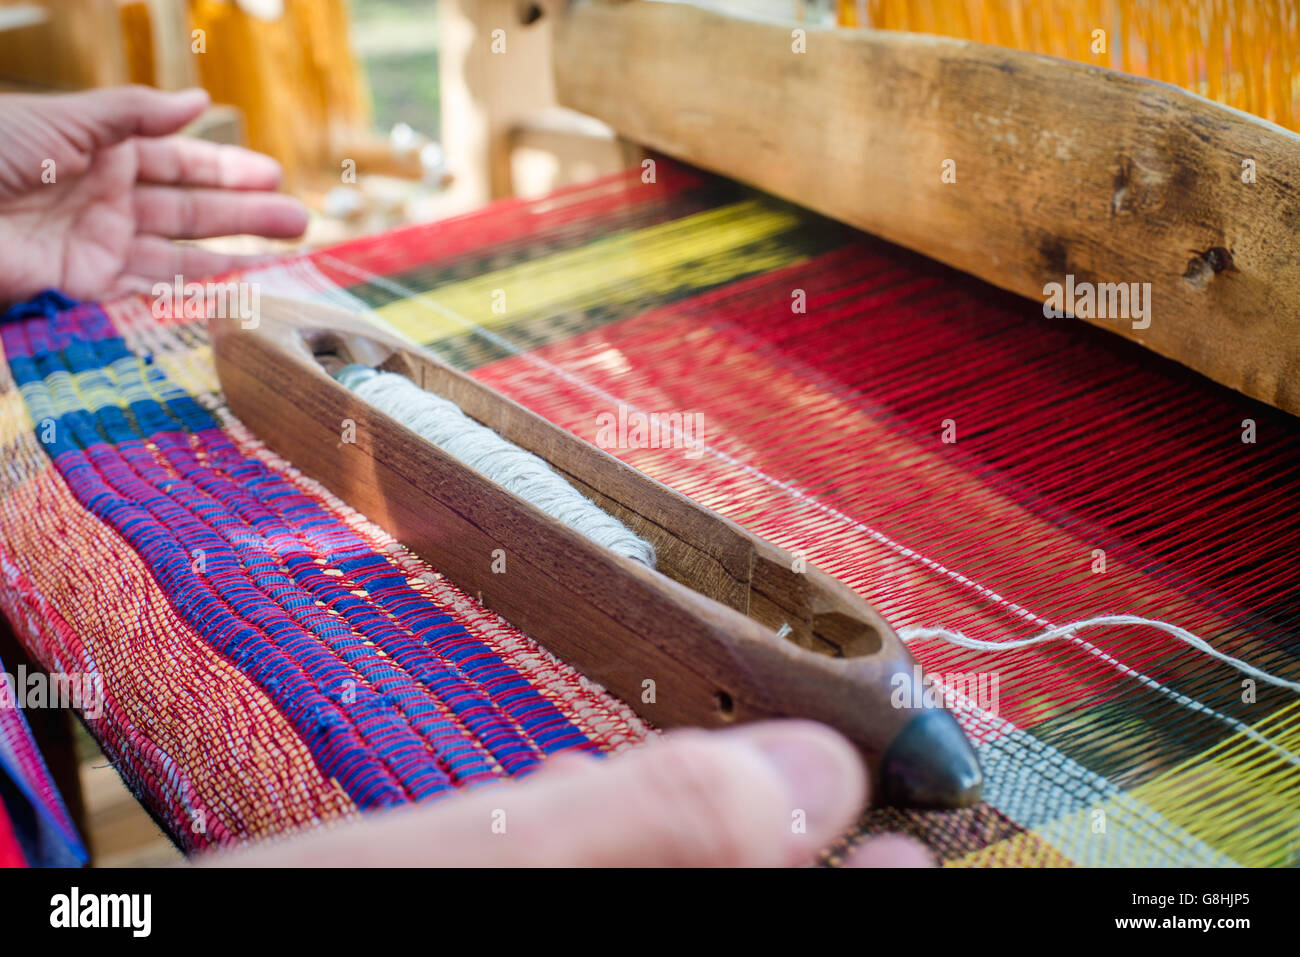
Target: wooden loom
1062, 168
1127, 190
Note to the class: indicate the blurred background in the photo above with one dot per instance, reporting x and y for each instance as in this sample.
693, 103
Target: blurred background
382, 112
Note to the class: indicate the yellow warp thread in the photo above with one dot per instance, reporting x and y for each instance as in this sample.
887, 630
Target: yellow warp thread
138, 42
1212, 794
294, 77
1243, 54
690, 252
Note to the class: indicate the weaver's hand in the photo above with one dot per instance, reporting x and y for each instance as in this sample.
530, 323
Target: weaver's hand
93, 191
761, 795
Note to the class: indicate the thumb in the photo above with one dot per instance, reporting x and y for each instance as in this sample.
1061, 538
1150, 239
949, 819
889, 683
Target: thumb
765, 795
97, 119
768, 794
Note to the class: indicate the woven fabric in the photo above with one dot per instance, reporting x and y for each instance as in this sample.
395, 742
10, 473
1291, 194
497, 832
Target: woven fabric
268, 659
11, 852
35, 828
941, 447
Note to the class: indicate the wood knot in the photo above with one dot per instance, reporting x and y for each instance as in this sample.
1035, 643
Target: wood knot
1123, 178
1203, 266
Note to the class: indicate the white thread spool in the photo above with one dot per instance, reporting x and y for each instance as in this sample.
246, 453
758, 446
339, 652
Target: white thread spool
443, 423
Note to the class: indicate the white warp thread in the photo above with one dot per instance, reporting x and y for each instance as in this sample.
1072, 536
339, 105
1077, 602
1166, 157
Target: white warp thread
521, 472
1067, 631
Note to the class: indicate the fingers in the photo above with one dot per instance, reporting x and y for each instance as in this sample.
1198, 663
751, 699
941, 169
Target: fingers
182, 161
566, 762
153, 259
763, 795
198, 213
99, 118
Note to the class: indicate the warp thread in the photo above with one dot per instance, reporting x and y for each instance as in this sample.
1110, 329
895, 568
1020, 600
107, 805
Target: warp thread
519, 471
1067, 631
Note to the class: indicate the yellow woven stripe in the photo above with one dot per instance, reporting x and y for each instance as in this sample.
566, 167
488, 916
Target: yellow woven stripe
690, 252
14, 420
62, 391
1022, 850
1238, 782
180, 350
117, 385
191, 371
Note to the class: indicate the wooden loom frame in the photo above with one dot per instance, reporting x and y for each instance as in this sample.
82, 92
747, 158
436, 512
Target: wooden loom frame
1061, 167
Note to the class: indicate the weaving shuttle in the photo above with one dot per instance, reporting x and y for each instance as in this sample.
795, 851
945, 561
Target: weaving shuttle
728, 628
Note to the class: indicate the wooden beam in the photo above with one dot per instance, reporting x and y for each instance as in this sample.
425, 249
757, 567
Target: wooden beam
1061, 168
76, 44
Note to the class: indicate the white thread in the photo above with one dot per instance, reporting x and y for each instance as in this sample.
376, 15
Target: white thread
1067, 631
517, 470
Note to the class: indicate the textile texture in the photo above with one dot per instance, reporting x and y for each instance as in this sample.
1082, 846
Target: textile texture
271, 660
35, 828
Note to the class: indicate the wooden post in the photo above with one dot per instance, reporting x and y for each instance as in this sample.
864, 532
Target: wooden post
78, 45
495, 72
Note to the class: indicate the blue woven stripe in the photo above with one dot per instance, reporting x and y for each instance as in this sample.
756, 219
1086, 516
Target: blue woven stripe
428, 711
